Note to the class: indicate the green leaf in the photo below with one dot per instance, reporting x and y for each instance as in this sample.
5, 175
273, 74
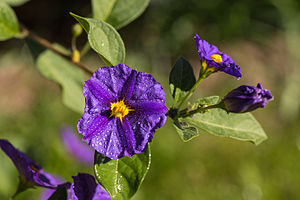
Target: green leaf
184, 130
121, 178
102, 8
16, 2
104, 39
181, 79
8, 22
59, 194
118, 13
218, 122
71, 78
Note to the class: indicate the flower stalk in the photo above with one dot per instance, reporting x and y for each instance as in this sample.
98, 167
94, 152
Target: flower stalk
45, 43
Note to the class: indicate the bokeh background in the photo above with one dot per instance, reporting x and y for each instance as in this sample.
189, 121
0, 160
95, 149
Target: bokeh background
262, 36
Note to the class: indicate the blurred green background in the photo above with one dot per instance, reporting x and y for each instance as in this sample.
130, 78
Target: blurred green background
262, 36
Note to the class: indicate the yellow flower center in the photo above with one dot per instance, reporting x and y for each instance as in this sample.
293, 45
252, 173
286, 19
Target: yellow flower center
217, 58
119, 109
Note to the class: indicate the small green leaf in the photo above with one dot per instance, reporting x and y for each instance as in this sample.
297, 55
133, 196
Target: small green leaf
71, 78
121, 178
8, 22
181, 79
104, 39
16, 2
59, 194
218, 122
184, 130
118, 13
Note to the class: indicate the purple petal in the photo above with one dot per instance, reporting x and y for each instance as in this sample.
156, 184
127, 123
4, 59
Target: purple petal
108, 142
205, 50
91, 125
147, 89
86, 188
94, 91
127, 140
144, 127
128, 87
149, 107
76, 146
233, 70
112, 79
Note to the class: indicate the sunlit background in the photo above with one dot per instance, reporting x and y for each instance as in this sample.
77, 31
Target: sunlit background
262, 36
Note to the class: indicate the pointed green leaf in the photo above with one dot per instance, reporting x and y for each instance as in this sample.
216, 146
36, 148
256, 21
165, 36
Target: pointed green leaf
121, 178
8, 22
218, 122
71, 78
104, 39
118, 13
181, 79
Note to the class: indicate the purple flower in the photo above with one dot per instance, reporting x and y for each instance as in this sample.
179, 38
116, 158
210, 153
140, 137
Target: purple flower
76, 147
30, 173
246, 98
86, 188
214, 60
122, 112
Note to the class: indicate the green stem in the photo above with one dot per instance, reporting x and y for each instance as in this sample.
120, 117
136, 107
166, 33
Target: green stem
85, 49
189, 94
73, 43
201, 109
46, 44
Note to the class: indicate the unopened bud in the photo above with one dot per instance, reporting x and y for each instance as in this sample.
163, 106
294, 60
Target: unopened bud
76, 30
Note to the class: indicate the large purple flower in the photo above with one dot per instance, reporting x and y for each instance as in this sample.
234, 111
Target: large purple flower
30, 173
123, 110
214, 60
246, 98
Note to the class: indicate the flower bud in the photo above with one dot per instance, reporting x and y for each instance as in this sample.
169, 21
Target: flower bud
246, 98
76, 30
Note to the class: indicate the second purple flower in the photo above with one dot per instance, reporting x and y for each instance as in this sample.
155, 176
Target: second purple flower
123, 110
215, 60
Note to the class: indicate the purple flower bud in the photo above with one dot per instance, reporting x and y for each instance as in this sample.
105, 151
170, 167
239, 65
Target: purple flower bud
246, 98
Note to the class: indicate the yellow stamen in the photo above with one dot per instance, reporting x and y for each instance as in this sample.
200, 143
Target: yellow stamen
119, 109
217, 58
